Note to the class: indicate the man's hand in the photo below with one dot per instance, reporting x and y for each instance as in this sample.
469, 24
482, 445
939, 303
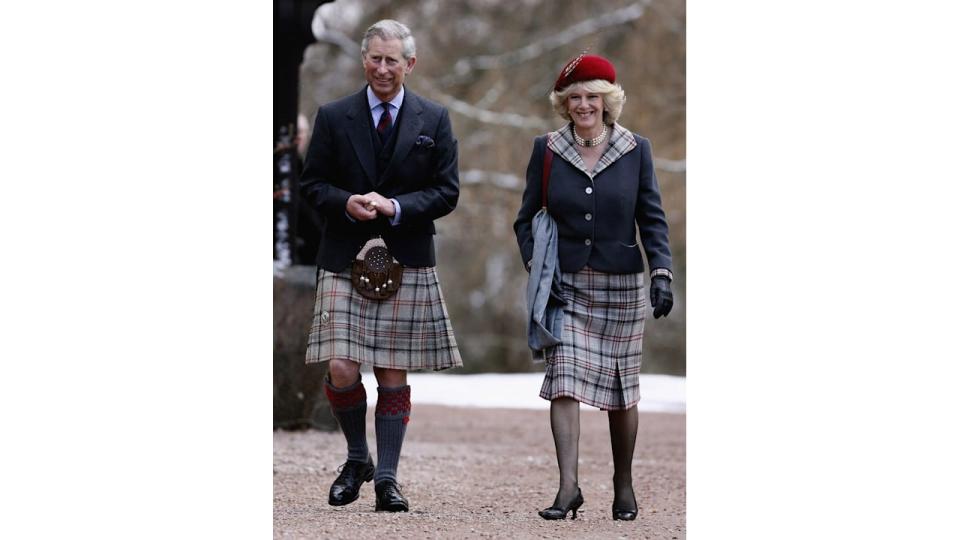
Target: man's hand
661, 298
380, 204
359, 208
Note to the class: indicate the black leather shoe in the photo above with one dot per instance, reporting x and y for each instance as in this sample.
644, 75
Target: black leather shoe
625, 514
561, 513
346, 488
389, 498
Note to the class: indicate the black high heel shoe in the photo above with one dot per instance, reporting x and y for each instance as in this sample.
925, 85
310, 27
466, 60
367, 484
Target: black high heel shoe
561, 513
621, 514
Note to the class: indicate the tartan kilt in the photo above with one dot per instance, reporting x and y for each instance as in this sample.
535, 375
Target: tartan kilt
598, 361
410, 330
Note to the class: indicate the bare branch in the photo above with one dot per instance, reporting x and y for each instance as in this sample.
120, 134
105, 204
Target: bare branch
509, 182
492, 95
463, 68
670, 165
512, 182
338, 38
487, 116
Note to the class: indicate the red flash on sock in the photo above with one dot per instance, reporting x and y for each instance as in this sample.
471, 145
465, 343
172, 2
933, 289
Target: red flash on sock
394, 403
345, 399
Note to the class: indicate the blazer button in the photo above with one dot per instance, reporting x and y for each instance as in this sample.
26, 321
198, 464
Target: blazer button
587, 242
588, 217
589, 190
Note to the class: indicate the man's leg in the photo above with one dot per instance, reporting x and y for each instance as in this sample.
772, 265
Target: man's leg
392, 415
348, 402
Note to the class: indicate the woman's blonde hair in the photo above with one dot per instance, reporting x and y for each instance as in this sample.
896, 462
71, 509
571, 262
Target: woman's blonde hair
612, 93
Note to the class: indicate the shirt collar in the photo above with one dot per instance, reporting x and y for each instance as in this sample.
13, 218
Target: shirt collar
373, 101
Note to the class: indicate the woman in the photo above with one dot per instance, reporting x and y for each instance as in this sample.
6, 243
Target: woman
601, 189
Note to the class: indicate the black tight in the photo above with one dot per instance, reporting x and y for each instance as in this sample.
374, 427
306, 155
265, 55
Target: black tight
565, 424
623, 438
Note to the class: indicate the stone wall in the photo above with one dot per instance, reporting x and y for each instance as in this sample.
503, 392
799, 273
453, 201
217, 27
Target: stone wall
298, 400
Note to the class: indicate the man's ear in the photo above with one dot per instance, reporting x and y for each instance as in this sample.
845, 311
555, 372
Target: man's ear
410, 63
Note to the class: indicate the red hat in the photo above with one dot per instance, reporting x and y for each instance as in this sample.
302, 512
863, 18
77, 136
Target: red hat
585, 68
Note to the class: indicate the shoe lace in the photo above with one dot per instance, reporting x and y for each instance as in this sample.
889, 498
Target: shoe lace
344, 465
400, 487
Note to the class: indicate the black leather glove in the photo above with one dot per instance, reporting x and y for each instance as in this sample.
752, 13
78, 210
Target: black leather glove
661, 298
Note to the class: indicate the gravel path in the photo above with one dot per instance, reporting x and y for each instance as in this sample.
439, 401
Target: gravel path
484, 473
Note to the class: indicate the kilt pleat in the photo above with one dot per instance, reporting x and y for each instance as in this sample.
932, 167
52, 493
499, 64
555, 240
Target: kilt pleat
410, 330
598, 362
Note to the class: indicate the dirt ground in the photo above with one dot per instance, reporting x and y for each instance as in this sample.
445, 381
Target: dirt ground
483, 473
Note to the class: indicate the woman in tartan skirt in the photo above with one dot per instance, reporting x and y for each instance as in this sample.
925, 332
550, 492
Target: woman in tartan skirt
601, 190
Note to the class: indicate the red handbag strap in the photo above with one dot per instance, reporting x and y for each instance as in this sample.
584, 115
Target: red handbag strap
547, 161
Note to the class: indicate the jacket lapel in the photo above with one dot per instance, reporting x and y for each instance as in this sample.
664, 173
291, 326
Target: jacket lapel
358, 131
562, 143
409, 128
621, 142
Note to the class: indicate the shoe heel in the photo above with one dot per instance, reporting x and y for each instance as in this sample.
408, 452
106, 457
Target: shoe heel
576, 506
561, 513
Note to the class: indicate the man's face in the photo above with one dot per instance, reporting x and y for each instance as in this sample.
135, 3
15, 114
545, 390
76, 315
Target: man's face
385, 67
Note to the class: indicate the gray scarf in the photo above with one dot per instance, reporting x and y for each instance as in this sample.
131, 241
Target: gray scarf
544, 301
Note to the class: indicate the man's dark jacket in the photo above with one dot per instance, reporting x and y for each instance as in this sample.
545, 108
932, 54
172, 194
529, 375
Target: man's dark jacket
421, 174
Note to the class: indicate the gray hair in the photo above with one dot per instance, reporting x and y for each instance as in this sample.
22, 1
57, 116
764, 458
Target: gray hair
613, 98
390, 29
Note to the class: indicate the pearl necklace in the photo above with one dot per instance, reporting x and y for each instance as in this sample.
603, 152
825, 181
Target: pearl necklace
590, 142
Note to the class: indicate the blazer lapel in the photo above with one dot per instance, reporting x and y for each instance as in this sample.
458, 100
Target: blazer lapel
409, 128
358, 131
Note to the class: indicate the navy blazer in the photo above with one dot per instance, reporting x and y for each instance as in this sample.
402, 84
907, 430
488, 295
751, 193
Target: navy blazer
421, 175
597, 219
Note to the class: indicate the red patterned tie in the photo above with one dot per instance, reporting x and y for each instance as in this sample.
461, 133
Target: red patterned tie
383, 127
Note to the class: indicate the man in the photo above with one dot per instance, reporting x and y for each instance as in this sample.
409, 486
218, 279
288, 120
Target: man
381, 163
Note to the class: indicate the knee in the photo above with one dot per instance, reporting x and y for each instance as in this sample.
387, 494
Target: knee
390, 377
343, 373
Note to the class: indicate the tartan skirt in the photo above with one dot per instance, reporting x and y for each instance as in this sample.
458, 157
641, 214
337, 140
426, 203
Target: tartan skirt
598, 361
410, 330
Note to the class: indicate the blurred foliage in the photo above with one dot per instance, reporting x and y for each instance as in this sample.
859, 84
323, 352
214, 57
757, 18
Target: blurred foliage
493, 63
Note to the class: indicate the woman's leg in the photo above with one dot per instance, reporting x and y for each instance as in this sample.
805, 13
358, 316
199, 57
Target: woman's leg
623, 439
565, 424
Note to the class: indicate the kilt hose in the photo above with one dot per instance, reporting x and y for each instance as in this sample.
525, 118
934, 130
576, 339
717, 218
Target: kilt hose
410, 330
598, 362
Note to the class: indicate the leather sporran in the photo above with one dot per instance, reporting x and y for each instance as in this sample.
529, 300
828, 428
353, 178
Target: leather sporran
376, 274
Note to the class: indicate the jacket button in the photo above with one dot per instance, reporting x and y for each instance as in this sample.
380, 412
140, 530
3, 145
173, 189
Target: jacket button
587, 242
589, 190
588, 217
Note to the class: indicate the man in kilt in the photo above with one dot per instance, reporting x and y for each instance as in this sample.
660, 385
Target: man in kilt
382, 164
